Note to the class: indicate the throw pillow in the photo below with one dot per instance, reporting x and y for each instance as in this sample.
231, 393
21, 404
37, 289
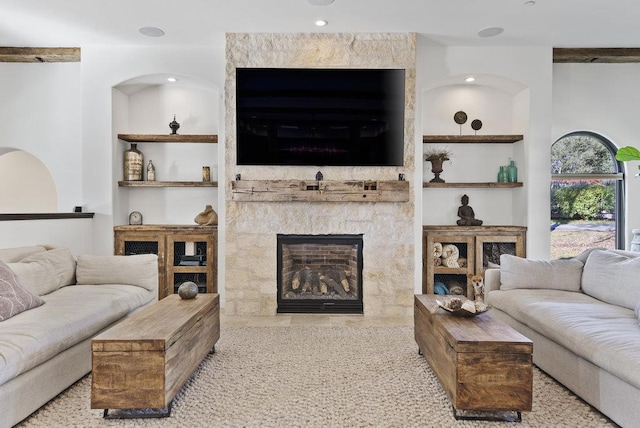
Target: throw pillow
517, 272
13, 297
140, 270
613, 278
47, 271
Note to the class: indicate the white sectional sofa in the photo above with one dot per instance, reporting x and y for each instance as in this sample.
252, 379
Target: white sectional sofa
582, 315
46, 349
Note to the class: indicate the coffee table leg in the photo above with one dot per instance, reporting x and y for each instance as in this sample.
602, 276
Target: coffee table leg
162, 412
213, 350
479, 415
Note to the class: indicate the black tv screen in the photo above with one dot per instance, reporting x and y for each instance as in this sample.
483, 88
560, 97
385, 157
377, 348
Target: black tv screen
343, 117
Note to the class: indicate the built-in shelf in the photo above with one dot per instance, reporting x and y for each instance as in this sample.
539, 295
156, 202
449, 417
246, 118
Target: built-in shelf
168, 138
471, 139
168, 183
461, 185
319, 191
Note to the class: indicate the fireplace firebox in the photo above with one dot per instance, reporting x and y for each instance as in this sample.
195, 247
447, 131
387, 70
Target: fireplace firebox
320, 274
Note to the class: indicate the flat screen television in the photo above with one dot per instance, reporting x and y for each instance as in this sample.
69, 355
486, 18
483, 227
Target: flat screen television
323, 117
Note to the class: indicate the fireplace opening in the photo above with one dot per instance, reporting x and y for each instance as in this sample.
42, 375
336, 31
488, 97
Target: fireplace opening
320, 274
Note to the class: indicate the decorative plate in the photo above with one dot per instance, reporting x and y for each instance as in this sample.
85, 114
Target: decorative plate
460, 312
460, 117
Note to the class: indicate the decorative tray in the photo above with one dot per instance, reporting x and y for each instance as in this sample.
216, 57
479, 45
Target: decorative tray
466, 309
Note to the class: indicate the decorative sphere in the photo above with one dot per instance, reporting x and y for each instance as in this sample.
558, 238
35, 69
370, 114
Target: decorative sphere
188, 290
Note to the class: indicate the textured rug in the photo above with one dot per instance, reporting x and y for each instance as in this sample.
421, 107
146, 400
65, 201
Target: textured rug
317, 377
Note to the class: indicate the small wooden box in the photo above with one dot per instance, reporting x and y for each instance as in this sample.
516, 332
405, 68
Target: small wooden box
143, 361
481, 362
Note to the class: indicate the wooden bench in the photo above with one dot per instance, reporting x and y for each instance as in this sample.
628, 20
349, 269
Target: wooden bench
143, 361
482, 363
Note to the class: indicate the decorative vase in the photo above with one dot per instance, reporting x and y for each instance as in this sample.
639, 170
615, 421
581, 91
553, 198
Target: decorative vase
502, 175
512, 172
133, 164
174, 125
188, 290
151, 171
436, 168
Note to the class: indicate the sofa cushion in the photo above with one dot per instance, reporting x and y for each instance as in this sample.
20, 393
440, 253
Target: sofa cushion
612, 278
517, 272
14, 298
9, 255
638, 311
70, 315
604, 334
140, 270
46, 271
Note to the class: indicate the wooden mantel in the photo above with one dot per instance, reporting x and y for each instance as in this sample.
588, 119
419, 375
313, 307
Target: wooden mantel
13, 54
319, 191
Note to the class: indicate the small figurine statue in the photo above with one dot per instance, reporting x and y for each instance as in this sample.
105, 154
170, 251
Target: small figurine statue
208, 217
319, 176
466, 214
174, 125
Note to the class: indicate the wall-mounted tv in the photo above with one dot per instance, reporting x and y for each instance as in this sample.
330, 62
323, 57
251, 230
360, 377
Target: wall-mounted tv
323, 117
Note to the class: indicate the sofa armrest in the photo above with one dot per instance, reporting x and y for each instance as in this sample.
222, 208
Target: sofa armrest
491, 280
140, 270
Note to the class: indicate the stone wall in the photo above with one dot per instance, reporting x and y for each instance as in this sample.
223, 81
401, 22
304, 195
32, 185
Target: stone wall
252, 227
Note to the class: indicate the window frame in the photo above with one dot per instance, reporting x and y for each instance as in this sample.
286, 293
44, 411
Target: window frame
618, 176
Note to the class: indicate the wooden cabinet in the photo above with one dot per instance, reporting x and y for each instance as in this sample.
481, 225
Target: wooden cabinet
471, 139
185, 253
479, 246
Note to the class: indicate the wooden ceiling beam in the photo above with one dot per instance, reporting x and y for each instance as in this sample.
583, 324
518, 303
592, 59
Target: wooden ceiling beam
13, 54
596, 55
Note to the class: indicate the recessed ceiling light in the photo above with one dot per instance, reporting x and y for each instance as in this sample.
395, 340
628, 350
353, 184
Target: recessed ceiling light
321, 22
470, 79
172, 79
151, 31
320, 2
490, 31
529, 3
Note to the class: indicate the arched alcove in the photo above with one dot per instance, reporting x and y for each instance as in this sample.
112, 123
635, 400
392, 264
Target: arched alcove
26, 185
502, 106
146, 105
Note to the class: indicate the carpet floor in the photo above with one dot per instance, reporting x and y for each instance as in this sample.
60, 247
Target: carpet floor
317, 377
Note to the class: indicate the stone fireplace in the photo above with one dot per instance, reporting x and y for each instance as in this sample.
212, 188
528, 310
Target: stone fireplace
387, 228
319, 274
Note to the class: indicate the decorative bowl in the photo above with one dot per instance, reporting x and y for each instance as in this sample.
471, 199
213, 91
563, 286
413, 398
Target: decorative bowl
480, 308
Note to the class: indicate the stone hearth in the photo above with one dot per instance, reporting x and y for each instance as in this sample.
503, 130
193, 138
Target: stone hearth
252, 227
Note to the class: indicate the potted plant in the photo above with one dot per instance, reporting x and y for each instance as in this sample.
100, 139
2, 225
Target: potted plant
628, 154
437, 158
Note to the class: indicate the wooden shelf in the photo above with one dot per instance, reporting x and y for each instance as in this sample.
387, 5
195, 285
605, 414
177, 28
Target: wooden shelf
489, 184
44, 216
168, 138
319, 191
471, 139
440, 270
168, 183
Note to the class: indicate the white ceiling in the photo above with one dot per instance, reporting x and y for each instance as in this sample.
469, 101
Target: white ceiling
557, 23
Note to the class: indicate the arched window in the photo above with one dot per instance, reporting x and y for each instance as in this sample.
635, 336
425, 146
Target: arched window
586, 195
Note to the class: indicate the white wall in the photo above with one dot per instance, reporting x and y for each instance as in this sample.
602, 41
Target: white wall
602, 98
41, 111
44, 118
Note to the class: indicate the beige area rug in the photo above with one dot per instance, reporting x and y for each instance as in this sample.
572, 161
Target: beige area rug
317, 377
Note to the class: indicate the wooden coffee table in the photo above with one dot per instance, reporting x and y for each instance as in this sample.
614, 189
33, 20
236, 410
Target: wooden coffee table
143, 361
482, 363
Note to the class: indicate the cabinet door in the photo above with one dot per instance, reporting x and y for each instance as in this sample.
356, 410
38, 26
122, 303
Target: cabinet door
454, 274
490, 248
191, 258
